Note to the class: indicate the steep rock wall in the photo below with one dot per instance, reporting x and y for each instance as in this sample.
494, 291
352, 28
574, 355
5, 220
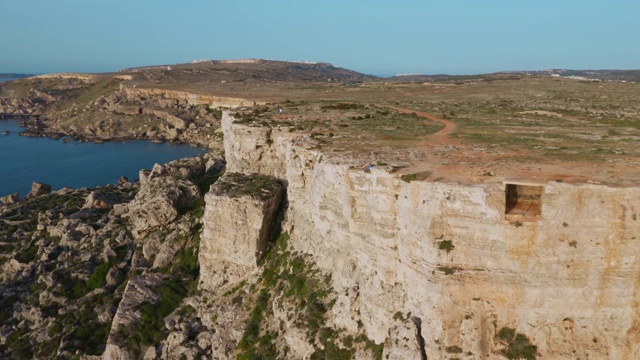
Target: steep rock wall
569, 280
233, 241
170, 97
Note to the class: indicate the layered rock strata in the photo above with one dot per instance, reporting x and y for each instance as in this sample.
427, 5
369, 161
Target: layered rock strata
567, 278
170, 98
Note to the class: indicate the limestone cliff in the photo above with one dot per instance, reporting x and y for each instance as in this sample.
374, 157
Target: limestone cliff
567, 278
247, 204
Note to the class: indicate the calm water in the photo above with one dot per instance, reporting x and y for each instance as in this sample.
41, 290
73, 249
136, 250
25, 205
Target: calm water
24, 160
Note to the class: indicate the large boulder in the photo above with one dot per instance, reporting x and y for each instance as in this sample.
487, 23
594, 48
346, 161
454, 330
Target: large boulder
38, 189
100, 200
10, 199
40, 97
186, 169
165, 193
240, 214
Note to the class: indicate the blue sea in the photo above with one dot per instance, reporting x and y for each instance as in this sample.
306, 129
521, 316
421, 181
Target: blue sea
24, 160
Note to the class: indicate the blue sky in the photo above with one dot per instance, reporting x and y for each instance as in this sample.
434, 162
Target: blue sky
370, 36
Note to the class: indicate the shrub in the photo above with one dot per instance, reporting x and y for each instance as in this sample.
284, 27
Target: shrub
518, 345
446, 245
415, 176
98, 278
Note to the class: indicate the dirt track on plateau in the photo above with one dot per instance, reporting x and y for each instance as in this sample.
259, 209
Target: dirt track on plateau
467, 163
439, 138
449, 126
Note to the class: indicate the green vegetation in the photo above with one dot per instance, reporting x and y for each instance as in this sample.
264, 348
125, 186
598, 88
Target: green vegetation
71, 287
27, 255
517, 345
98, 277
342, 106
416, 176
95, 91
306, 295
18, 342
81, 322
447, 270
254, 185
217, 113
446, 245
180, 280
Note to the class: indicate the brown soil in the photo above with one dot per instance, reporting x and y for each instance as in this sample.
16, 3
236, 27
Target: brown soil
450, 160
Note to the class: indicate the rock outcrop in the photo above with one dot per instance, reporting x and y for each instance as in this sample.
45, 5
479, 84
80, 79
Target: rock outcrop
109, 110
10, 199
170, 98
225, 256
165, 192
565, 278
38, 189
100, 200
23, 107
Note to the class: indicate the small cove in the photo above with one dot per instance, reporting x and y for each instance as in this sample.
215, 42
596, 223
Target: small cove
24, 160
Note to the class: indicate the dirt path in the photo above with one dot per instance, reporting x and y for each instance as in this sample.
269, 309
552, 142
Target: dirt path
449, 158
441, 136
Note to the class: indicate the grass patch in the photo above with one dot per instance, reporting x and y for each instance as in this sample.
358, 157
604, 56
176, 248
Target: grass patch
254, 185
518, 345
306, 296
416, 176
447, 270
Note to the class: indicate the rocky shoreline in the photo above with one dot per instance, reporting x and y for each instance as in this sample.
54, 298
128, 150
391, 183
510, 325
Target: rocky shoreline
74, 261
114, 114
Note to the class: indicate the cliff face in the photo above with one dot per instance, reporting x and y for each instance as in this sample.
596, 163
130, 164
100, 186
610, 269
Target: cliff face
567, 278
225, 255
169, 98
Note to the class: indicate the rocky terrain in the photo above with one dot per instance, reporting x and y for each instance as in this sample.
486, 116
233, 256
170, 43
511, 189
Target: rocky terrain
338, 229
115, 272
78, 266
172, 103
103, 110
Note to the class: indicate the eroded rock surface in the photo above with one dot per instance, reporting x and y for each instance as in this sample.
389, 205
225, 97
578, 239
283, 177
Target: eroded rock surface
439, 249
237, 238
165, 192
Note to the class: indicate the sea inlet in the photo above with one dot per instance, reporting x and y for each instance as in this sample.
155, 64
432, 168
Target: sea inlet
24, 160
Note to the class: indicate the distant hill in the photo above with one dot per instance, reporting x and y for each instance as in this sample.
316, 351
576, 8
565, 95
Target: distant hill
609, 75
251, 70
453, 78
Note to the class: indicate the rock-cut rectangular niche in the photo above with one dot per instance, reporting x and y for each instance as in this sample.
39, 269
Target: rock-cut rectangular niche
523, 202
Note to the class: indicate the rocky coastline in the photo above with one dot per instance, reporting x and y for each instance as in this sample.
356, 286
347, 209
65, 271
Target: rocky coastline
74, 261
115, 115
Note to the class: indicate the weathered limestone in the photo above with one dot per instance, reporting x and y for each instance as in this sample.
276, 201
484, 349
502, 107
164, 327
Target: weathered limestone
10, 199
405, 342
567, 278
136, 292
164, 192
261, 149
100, 200
238, 223
38, 189
171, 97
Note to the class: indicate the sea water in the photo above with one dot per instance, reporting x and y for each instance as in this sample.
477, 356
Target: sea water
24, 160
